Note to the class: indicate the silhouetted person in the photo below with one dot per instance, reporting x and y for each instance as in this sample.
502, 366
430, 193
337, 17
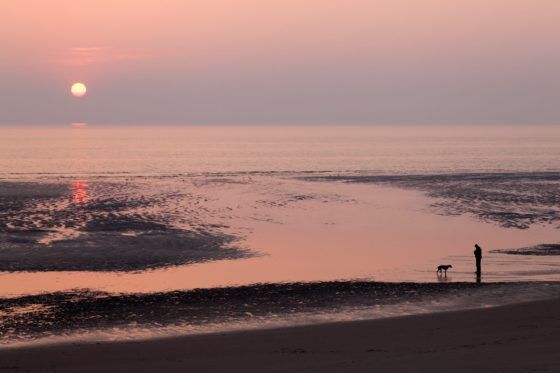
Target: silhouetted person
478, 257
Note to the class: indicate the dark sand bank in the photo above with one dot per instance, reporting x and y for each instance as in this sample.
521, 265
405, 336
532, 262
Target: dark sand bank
53, 314
539, 250
104, 226
513, 200
514, 338
99, 315
117, 252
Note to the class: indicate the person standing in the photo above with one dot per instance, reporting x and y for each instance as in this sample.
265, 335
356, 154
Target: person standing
478, 257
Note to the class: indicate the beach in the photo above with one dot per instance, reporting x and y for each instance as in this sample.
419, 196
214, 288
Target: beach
285, 255
513, 338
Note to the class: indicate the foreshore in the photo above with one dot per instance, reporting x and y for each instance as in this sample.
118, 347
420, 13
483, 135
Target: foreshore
513, 338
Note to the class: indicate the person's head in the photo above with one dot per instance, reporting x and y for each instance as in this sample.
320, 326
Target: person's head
476, 246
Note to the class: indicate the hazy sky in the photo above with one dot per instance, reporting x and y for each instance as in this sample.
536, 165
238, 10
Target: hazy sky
280, 61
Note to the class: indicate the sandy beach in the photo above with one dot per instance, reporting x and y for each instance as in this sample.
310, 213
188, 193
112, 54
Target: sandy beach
513, 338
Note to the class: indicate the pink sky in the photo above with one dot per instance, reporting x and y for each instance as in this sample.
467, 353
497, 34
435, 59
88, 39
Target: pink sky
290, 61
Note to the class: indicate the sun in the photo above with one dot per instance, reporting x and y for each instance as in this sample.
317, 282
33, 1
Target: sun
78, 89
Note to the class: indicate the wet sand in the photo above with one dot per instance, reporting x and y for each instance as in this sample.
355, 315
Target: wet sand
513, 338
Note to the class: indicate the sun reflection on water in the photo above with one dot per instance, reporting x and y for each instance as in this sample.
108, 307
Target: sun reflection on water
79, 192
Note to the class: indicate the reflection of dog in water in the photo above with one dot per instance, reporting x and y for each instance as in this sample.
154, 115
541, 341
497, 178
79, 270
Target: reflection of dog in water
443, 268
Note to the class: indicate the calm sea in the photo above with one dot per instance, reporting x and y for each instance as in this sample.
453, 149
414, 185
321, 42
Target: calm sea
159, 150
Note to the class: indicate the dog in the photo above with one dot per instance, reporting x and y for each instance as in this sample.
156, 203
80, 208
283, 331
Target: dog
443, 268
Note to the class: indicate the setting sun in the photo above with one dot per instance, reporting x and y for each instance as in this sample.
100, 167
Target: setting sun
78, 89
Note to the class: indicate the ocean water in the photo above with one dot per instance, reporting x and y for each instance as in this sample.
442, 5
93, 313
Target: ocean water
122, 214
164, 150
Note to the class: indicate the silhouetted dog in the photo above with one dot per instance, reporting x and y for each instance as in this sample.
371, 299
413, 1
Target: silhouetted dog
444, 268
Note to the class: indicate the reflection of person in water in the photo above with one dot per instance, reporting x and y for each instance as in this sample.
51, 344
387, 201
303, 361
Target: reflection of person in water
478, 257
